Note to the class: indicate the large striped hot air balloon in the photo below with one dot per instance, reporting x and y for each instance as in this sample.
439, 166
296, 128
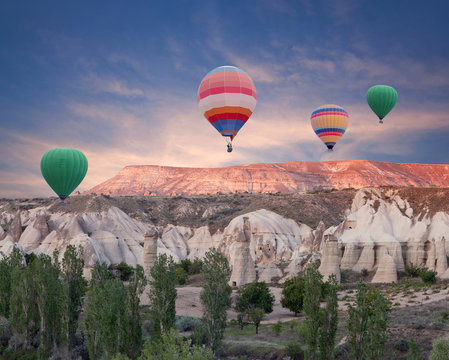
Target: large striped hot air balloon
227, 98
329, 123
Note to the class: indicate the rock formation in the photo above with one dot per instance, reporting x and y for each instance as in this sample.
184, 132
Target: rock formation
242, 264
382, 230
150, 250
386, 270
330, 258
15, 230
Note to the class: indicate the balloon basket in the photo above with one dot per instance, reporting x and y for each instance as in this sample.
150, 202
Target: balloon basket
330, 151
381, 121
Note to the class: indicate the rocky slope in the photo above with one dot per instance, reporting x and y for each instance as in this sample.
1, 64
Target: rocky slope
380, 230
289, 177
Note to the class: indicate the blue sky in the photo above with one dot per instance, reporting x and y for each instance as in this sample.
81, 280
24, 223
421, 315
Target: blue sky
118, 81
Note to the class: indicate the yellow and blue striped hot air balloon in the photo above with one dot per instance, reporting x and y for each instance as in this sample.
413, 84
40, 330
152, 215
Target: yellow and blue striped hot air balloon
329, 123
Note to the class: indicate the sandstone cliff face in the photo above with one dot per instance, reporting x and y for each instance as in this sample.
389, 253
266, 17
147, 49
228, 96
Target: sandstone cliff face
289, 177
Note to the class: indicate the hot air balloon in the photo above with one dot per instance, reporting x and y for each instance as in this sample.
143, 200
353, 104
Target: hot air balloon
227, 98
381, 99
329, 122
63, 169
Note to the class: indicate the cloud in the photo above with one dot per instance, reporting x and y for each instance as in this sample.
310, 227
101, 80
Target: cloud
110, 85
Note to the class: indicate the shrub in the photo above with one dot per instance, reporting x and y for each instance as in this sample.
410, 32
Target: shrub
125, 271
401, 345
186, 323
412, 270
428, 276
294, 351
440, 350
181, 275
277, 328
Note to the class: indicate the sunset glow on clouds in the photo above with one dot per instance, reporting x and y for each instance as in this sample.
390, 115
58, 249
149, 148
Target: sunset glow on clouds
119, 83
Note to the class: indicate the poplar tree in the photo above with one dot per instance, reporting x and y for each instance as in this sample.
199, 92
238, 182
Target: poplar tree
162, 294
329, 320
215, 296
133, 333
311, 306
105, 314
72, 272
7, 265
51, 302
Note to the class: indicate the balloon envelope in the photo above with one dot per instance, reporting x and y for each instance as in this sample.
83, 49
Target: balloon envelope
381, 99
63, 169
227, 98
329, 123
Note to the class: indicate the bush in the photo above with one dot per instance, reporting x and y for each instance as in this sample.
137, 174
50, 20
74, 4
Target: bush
440, 350
294, 351
125, 271
254, 295
277, 328
428, 276
401, 345
412, 270
186, 323
181, 275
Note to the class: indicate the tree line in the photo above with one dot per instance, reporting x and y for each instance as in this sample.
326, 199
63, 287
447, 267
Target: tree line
51, 311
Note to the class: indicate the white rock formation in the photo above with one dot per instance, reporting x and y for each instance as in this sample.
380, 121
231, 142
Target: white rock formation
386, 271
330, 258
242, 264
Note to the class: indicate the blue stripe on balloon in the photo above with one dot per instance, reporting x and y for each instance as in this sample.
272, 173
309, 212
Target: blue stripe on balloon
330, 129
228, 124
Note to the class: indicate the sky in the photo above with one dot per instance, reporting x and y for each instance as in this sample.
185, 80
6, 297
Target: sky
118, 81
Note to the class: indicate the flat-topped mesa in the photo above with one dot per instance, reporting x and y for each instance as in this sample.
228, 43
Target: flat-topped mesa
289, 177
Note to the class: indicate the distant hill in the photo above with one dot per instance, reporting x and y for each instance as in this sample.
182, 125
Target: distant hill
289, 177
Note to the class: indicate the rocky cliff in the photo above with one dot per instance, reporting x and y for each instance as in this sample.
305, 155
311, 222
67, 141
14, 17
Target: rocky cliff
289, 177
377, 230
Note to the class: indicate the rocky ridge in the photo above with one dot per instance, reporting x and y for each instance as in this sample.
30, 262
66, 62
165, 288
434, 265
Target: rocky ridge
379, 230
289, 177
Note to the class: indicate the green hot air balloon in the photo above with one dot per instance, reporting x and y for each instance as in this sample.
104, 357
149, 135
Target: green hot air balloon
63, 169
381, 99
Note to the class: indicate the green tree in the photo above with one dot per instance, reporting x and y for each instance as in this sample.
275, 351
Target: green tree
329, 321
367, 324
24, 313
51, 302
133, 334
256, 315
172, 347
7, 265
293, 294
215, 296
440, 350
72, 272
254, 295
105, 318
312, 295
162, 294
377, 329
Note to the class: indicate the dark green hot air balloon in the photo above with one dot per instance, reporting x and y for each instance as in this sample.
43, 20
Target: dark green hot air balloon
381, 99
63, 169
